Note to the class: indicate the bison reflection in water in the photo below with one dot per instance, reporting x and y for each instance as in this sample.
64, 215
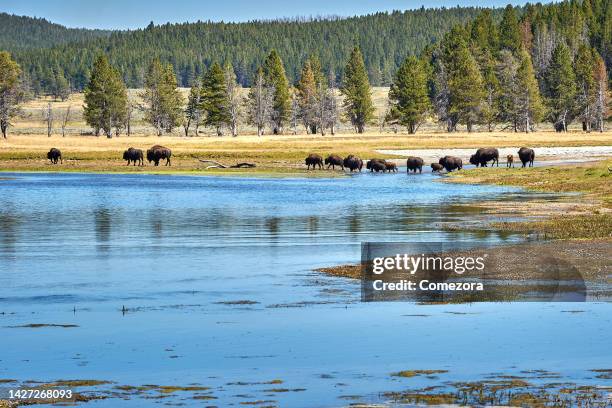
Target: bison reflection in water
54, 155
134, 155
157, 153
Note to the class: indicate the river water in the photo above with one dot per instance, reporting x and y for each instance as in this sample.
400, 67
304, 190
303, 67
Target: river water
176, 280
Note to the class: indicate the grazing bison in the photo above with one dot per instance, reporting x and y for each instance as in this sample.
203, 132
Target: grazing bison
353, 163
485, 155
414, 164
334, 160
54, 155
376, 165
314, 160
157, 153
391, 167
436, 167
510, 161
134, 155
451, 163
527, 156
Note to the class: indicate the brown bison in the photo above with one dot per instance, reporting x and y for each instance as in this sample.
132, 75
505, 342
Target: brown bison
436, 167
451, 163
157, 153
391, 167
376, 165
353, 163
54, 155
527, 156
314, 160
334, 160
485, 155
509, 161
414, 164
134, 155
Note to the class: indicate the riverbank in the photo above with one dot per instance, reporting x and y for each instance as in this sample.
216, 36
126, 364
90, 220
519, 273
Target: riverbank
274, 155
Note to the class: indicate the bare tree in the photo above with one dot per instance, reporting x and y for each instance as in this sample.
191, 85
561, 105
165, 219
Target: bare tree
260, 103
128, 117
233, 98
48, 117
295, 113
65, 119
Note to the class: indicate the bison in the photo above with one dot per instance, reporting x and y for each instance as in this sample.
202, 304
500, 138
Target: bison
54, 155
451, 163
353, 163
391, 167
510, 161
334, 160
485, 155
314, 160
376, 165
436, 167
414, 164
157, 153
134, 155
527, 156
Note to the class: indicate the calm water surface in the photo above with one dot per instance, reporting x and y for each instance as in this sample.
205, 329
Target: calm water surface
216, 275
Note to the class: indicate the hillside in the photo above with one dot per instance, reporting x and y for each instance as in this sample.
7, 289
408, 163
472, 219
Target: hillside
21, 32
385, 38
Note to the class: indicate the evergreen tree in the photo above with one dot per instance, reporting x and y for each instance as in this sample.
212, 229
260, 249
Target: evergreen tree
214, 98
358, 105
408, 95
60, 89
529, 107
509, 30
193, 111
163, 101
483, 33
275, 78
584, 66
561, 83
11, 93
490, 108
106, 101
465, 84
307, 97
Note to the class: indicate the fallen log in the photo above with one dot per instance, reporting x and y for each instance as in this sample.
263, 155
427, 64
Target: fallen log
217, 165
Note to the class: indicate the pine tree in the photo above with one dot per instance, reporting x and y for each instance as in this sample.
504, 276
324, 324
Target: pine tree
408, 95
11, 93
214, 98
529, 107
509, 30
561, 83
60, 88
275, 78
163, 101
307, 93
465, 84
584, 67
490, 108
193, 111
358, 105
105, 98
483, 33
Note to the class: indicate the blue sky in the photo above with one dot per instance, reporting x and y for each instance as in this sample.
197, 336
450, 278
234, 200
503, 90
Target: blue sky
122, 14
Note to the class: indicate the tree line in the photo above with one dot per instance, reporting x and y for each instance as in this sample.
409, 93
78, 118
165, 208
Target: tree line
481, 74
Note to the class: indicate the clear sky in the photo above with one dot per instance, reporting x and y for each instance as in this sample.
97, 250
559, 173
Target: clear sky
122, 14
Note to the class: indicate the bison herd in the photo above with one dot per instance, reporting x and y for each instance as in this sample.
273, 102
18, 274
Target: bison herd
131, 155
413, 164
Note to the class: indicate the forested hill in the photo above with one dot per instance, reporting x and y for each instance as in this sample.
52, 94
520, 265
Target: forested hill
385, 38
21, 32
